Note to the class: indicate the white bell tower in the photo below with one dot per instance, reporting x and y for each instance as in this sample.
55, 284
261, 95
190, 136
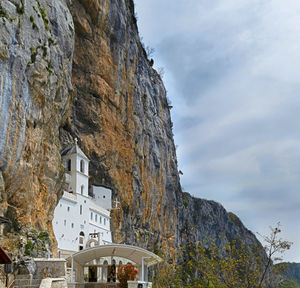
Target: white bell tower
77, 165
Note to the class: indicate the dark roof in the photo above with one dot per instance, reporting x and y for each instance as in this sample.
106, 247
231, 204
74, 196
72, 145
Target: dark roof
4, 258
74, 150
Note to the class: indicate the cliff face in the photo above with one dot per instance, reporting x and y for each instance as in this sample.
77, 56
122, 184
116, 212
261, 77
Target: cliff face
292, 271
201, 219
118, 110
121, 116
36, 48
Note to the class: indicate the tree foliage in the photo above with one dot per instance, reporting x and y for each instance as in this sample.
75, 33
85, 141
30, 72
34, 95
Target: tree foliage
205, 265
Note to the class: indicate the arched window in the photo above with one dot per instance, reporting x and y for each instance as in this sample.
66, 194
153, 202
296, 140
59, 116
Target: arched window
69, 165
80, 210
81, 189
81, 239
82, 166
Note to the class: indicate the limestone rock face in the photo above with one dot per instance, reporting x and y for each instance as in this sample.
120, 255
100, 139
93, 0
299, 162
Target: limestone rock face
36, 48
201, 219
120, 114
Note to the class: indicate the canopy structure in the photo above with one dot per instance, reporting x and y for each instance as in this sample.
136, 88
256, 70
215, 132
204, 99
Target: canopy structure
133, 253
139, 256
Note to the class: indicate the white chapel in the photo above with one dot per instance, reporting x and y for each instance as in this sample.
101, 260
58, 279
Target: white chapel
81, 219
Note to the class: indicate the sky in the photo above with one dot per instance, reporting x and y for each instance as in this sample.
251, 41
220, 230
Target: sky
232, 72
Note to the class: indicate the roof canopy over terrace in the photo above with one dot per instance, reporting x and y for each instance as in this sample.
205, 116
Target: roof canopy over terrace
133, 253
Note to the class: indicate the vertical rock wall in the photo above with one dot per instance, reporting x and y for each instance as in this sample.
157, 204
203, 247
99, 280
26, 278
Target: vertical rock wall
118, 110
121, 116
36, 48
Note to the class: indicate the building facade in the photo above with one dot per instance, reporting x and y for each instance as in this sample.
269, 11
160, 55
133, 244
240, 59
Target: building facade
82, 216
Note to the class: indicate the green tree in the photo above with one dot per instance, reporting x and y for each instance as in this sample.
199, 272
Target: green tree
205, 265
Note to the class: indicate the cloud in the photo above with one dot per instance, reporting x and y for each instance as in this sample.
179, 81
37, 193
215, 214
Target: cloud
232, 73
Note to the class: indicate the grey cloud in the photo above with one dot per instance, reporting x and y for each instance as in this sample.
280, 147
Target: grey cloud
234, 71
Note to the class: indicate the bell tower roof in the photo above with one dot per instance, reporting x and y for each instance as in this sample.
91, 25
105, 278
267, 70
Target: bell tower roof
74, 149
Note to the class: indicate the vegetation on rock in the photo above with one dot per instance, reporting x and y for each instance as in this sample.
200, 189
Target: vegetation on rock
292, 273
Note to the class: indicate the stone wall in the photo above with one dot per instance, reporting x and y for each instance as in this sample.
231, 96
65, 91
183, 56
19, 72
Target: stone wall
50, 268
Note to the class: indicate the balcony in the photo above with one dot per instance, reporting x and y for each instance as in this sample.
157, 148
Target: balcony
70, 196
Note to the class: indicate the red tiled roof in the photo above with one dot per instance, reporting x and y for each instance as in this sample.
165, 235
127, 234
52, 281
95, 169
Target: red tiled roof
4, 258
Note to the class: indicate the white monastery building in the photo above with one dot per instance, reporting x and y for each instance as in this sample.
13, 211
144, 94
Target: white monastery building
81, 226
81, 219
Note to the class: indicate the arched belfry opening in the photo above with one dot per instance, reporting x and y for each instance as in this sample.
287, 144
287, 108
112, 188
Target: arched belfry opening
81, 166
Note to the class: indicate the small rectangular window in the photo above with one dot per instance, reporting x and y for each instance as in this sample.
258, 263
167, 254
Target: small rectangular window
80, 210
69, 165
91, 215
65, 222
96, 217
100, 220
68, 209
104, 221
72, 225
